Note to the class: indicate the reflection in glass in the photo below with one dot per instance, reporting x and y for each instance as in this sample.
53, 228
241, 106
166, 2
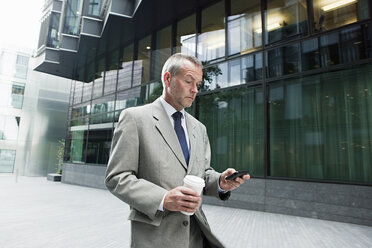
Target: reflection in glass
104, 104
310, 54
126, 69
101, 118
234, 120
111, 73
244, 26
78, 143
162, 51
94, 7
87, 91
252, 68
143, 62
52, 39
285, 18
18, 91
72, 17
78, 93
186, 35
284, 60
98, 148
211, 41
99, 78
329, 50
214, 77
352, 44
320, 126
7, 158
329, 14
130, 98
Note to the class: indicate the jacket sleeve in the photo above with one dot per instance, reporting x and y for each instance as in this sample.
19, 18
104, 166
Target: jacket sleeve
122, 168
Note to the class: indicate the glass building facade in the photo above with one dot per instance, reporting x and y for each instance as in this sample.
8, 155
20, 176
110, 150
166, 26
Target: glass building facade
286, 92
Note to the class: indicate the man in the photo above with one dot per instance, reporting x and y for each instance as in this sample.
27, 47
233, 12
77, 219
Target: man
153, 149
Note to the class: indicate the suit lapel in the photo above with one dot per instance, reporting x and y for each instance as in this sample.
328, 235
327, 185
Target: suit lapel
192, 137
165, 128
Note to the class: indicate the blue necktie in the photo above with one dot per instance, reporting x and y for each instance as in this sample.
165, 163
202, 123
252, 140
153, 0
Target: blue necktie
181, 135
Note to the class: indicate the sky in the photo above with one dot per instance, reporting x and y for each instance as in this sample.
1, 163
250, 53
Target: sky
20, 23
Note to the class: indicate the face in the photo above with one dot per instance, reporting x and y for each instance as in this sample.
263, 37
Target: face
181, 89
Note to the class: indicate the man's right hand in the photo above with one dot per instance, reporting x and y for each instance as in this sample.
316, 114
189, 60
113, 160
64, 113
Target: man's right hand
181, 199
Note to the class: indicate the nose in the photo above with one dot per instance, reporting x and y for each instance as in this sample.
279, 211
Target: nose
194, 88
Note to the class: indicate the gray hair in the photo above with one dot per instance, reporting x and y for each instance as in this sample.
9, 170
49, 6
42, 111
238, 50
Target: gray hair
175, 62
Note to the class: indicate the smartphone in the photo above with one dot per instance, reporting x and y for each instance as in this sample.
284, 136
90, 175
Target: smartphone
237, 174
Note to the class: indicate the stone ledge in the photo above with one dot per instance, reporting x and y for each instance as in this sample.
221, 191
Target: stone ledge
54, 177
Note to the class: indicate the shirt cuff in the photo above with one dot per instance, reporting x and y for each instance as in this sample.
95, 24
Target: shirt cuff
221, 191
161, 206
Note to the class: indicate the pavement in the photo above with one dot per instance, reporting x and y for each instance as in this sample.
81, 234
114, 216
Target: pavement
38, 213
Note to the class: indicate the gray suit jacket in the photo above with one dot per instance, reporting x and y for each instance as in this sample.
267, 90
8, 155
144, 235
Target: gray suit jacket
146, 161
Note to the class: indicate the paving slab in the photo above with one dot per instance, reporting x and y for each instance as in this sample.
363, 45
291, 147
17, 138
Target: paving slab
35, 212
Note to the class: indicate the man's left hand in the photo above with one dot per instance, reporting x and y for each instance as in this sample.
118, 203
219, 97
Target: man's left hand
229, 185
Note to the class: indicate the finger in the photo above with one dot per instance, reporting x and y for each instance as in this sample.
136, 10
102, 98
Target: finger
246, 177
188, 191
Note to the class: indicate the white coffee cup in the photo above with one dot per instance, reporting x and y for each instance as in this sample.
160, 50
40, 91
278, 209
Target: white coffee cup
194, 183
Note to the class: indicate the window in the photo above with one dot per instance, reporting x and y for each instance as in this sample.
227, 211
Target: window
320, 126
16, 100
143, 63
234, 120
9, 126
126, 69
329, 14
162, 51
211, 41
244, 26
186, 35
285, 18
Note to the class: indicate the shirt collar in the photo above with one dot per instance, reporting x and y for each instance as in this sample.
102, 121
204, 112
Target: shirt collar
170, 109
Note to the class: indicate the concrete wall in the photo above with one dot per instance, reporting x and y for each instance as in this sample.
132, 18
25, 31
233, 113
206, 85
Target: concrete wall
84, 175
337, 202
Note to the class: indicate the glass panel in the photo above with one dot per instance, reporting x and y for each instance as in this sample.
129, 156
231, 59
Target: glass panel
284, 60
9, 126
310, 55
80, 110
320, 126
143, 62
21, 67
7, 158
94, 7
72, 17
125, 70
105, 104
78, 143
329, 50
211, 41
99, 144
18, 91
130, 98
244, 24
78, 92
330, 14
285, 18
99, 78
101, 118
163, 50
252, 68
111, 73
352, 44
87, 91
234, 120
214, 77
53, 30
186, 35
154, 91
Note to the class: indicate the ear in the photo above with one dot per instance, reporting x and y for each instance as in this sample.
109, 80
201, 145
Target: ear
167, 79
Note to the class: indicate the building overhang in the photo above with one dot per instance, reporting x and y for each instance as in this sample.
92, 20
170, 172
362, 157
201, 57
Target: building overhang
62, 61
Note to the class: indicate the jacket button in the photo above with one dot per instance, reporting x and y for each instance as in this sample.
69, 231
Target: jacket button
185, 223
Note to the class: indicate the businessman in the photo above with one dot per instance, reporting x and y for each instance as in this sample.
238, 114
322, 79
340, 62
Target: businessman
154, 147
